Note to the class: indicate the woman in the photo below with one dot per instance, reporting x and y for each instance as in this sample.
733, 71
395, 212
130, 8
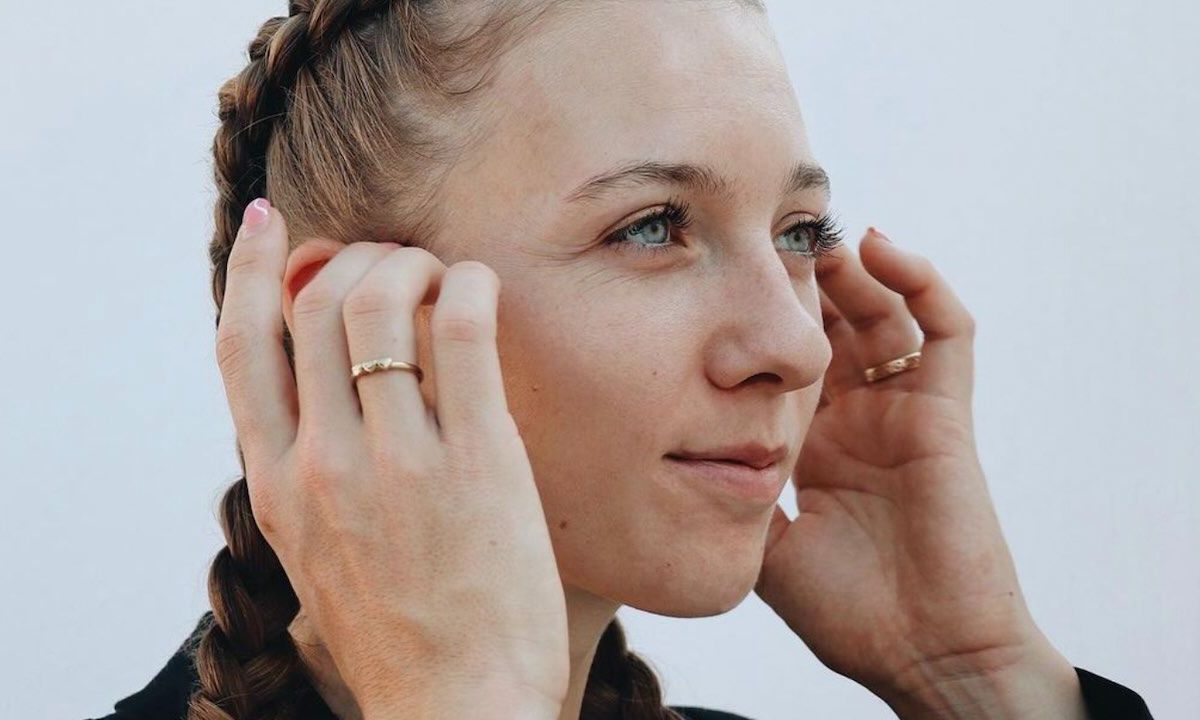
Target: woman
681, 328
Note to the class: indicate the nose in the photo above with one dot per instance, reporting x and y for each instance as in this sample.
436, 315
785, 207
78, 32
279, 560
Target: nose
768, 321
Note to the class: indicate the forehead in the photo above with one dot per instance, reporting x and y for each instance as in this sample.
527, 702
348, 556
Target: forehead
602, 83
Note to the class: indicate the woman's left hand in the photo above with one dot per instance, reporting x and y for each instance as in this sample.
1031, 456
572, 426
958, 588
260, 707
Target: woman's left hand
895, 573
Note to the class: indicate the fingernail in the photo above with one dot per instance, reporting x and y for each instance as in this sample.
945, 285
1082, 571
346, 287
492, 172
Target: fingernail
880, 234
256, 215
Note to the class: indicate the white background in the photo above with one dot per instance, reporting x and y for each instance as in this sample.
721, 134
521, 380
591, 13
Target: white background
1042, 154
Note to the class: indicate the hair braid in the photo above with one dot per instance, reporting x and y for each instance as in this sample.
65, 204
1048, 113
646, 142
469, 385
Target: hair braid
622, 686
250, 104
246, 662
312, 122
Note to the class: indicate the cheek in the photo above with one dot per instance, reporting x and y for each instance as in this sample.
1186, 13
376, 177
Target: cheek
600, 348
591, 390
591, 381
594, 364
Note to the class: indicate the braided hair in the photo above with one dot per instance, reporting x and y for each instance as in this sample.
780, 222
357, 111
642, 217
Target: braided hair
340, 118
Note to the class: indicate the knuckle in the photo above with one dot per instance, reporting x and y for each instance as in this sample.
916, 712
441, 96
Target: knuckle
393, 455
457, 319
400, 463
243, 259
475, 452
372, 298
501, 433
480, 277
379, 292
465, 459
264, 508
872, 321
319, 467
389, 461
477, 456
461, 325
926, 266
234, 343
314, 298
325, 291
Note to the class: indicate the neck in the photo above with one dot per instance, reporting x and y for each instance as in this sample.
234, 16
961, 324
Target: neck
587, 617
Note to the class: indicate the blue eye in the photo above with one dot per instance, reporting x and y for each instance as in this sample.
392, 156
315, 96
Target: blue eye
654, 229
824, 235
653, 233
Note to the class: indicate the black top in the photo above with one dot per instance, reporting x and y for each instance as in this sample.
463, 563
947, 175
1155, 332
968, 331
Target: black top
165, 697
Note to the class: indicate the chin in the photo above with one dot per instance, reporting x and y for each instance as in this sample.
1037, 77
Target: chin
694, 606
695, 584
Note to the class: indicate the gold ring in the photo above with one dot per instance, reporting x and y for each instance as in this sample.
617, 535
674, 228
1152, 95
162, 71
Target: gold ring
370, 366
892, 367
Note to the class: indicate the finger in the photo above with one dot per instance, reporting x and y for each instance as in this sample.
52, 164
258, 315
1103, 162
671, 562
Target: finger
947, 355
845, 369
882, 326
380, 323
471, 404
327, 393
254, 368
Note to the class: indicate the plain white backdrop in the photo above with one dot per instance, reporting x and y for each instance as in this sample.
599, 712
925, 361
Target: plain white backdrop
1042, 154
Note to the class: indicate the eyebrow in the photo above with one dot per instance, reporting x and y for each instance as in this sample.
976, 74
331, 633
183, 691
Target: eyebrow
702, 178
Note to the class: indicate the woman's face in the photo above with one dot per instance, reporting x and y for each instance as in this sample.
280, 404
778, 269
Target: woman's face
616, 355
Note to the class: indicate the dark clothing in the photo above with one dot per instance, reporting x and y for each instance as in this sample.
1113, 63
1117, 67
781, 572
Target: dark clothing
165, 697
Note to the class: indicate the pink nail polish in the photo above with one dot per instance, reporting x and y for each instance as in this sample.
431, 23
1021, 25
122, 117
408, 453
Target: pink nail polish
256, 214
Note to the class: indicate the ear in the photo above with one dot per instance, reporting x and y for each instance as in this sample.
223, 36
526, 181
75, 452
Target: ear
304, 262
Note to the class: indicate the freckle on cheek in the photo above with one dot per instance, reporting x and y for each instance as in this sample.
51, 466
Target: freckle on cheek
562, 525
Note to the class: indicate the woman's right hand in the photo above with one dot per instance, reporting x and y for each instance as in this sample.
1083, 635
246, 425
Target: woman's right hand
414, 538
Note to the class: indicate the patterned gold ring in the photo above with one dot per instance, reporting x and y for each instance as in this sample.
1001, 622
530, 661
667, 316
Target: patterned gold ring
892, 367
370, 366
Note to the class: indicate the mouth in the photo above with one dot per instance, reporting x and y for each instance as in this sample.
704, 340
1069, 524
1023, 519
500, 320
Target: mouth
757, 485
753, 454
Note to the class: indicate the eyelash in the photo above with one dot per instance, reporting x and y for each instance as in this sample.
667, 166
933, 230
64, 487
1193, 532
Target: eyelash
829, 234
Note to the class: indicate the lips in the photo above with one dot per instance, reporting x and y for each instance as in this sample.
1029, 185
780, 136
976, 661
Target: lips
753, 454
729, 479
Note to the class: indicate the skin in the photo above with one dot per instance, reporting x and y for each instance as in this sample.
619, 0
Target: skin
613, 358
582, 358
